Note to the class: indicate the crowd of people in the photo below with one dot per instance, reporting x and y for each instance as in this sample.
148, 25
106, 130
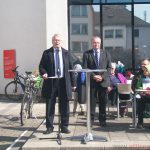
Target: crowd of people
59, 82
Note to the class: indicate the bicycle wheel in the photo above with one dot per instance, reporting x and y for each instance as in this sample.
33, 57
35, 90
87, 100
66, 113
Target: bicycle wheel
25, 107
14, 90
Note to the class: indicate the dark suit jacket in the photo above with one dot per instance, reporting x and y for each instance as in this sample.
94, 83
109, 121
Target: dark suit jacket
47, 66
105, 63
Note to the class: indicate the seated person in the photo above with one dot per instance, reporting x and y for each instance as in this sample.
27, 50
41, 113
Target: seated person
142, 97
116, 78
129, 75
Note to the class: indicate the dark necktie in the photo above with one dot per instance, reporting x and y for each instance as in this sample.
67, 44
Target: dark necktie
96, 58
58, 71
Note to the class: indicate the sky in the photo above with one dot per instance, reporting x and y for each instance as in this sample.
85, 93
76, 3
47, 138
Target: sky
138, 10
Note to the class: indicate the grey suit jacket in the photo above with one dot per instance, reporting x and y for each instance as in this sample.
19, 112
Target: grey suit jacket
47, 66
89, 62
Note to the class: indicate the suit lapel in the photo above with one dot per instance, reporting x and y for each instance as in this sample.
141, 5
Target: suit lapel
63, 56
51, 60
51, 56
101, 58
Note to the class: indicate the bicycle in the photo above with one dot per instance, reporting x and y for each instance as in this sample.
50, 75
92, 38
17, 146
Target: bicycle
14, 89
30, 95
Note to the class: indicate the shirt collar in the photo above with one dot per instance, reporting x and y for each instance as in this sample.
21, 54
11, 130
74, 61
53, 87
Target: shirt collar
55, 49
96, 50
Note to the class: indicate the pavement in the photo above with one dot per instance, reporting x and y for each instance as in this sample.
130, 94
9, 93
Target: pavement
120, 134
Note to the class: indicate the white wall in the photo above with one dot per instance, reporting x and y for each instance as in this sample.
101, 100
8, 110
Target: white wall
27, 26
57, 20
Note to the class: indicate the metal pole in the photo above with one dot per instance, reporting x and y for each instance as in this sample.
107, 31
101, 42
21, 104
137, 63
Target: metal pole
88, 102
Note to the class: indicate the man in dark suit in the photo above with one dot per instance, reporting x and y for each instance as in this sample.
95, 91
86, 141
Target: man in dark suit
56, 62
97, 58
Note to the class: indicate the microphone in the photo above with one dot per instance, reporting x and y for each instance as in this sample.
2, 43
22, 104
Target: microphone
77, 67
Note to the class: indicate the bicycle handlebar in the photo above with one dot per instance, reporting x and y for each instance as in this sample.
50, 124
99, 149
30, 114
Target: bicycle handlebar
15, 69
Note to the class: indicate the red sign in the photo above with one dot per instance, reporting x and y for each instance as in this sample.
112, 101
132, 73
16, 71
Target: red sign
9, 58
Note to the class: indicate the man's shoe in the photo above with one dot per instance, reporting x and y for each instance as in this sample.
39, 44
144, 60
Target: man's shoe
65, 130
92, 123
140, 126
48, 130
103, 124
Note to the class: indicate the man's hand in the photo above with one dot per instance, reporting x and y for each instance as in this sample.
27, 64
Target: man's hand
145, 93
109, 89
45, 76
98, 78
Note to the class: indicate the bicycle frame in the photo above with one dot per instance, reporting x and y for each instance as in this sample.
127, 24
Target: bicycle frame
17, 78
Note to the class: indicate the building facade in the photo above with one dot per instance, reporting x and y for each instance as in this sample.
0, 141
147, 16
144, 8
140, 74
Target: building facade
28, 25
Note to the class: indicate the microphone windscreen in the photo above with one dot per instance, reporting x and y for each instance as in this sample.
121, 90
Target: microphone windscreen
77, 67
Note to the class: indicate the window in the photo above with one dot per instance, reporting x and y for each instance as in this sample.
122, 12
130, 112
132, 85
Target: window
79, 29
108, 48
109, 33
118, 48
84, 29
83, 10
78, 10
75, 11
118, 33
136, 33
85, 46
76, 46
116, 1
79, 46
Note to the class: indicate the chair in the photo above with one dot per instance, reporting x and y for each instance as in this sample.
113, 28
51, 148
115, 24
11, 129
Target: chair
124, 89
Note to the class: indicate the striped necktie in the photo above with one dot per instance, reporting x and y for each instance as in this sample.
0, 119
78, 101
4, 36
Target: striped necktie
58, 70
96, 58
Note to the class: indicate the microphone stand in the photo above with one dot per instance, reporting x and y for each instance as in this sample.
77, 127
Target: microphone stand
59, 136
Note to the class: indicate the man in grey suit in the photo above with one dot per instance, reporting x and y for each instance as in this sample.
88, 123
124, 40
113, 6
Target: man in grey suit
97, 58
56, 62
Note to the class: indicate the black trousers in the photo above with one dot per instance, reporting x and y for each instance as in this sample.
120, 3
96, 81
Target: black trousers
58, 90
98, 94
141, 103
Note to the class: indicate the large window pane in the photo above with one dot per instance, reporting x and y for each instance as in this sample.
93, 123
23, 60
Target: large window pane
117, 33
142, 31
141, 1
116, 1
114, 26
82, 28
